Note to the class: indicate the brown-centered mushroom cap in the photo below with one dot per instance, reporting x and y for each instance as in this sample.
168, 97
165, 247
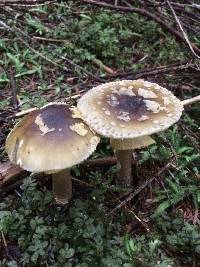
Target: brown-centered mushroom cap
49, 139
129, 108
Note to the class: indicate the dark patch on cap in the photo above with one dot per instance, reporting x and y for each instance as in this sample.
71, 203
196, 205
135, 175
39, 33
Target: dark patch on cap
56, 116
133, 105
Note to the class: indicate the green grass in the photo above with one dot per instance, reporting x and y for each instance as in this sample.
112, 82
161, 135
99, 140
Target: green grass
160, 226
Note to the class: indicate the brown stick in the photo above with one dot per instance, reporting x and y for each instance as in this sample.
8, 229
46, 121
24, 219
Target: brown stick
153, 71
139, 189
9, 172
145, 13
22, 39
100, 64
103, 162
27, 111
24, 112
182, 30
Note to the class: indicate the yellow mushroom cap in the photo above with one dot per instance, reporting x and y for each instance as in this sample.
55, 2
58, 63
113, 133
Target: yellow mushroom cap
51, 138
129, 108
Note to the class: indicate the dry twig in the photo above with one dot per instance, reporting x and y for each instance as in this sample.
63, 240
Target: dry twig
182, 30
191, 100
25, 3
15, 29
139, 189
145, 13
154, 71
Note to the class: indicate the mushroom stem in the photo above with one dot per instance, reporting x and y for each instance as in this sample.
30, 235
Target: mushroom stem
62, 186
124, 160
124, 150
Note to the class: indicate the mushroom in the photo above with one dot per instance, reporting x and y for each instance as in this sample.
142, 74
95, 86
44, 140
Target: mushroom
128, 111
52, 140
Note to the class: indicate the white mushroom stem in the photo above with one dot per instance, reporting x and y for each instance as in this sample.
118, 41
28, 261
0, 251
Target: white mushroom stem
191, 100
62, 186
124, 162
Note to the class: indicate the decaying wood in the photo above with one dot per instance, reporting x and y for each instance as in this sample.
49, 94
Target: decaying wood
103, 162
9, 172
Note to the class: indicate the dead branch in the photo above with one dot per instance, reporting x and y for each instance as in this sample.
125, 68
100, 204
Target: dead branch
182, 30
191, 100
71, 62
103, 162
100, 64
145, 13
24, 112
191, 136
27, 111
153, 71
139, 189
9, 172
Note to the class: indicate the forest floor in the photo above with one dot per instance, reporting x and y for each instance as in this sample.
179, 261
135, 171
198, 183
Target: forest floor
56, 51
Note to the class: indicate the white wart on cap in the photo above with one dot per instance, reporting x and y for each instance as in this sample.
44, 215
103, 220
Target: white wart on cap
129, 108
49, 139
